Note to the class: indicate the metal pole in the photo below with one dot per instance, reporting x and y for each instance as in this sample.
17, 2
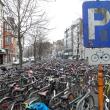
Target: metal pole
100, 88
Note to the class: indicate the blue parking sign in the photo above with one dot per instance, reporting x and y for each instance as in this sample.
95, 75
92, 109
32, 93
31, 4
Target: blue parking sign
96, 24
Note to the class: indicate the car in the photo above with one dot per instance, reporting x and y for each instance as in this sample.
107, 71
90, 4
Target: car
16, 62
27, 59
31, 58
24, 59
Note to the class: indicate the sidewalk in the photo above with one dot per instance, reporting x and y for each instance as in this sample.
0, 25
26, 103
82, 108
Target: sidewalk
6, 64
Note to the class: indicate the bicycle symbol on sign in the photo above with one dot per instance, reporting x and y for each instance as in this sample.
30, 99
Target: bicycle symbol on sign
100, 56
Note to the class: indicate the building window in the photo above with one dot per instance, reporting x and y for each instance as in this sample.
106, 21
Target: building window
8, 40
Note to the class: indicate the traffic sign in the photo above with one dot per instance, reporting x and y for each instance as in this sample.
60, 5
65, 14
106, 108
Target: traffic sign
97, 56
96, 24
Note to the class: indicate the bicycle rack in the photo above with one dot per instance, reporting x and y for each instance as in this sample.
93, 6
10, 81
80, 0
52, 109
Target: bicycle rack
57, 95
83, 98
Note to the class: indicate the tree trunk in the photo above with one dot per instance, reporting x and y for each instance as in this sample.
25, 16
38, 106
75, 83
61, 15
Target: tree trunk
19, 35
40, 49
20, 51
39, 57
35, 51
78, 46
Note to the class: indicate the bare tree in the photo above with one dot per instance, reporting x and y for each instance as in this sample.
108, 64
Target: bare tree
38, 37
39, 45
40, 48
25, 16
46, 49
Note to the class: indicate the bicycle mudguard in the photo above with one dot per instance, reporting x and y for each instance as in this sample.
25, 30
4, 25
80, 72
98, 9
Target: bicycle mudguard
30, 101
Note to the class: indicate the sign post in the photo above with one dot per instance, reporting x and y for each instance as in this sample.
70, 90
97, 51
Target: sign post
100, 88
96, 34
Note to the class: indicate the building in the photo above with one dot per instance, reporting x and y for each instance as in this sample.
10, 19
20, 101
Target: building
68, 43
9, 41
58, 48
2, 50
73, 43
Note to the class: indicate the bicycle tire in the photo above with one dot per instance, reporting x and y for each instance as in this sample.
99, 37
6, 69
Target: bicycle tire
106, 57
87, 104
17, 106
5, 104
94, 58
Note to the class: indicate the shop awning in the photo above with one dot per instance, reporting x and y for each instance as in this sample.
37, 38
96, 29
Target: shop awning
2, 51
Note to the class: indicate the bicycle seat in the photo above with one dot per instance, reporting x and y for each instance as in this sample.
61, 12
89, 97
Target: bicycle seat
44, 93
18, 91
38, 87
68, 96
64, 97
12, 85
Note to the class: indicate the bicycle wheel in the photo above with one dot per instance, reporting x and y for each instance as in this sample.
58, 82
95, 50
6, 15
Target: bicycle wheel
94, 58
106, 57
17, 106
87, 104
5, 103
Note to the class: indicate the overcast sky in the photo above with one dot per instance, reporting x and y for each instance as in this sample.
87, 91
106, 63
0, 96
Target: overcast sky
62, 14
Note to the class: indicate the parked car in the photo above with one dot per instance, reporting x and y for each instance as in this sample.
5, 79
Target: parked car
24, 60
16, 62
31, 58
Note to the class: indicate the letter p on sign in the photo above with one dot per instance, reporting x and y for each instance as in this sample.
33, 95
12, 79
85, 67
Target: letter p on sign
96, 24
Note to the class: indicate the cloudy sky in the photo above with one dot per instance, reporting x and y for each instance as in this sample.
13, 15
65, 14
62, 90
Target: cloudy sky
62, 14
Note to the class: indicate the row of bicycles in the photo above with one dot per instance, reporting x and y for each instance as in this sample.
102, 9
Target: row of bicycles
52, 85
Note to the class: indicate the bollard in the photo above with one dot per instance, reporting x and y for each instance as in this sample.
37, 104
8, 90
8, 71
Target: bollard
100, 88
